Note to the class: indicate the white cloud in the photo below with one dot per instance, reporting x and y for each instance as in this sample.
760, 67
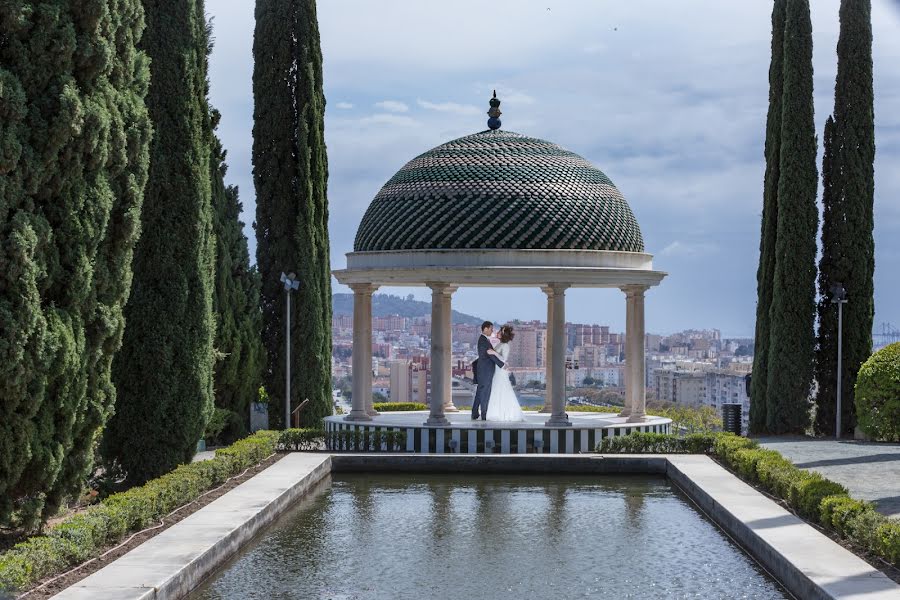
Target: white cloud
392, 106
344, 105
689, 249
451, 107
388, 119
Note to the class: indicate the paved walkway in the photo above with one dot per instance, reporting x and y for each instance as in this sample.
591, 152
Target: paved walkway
871, 471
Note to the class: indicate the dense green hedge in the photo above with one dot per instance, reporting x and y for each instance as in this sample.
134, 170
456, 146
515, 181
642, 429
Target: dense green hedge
816, 498
397, 406
341, 441
878, 395
657, 443
84, 535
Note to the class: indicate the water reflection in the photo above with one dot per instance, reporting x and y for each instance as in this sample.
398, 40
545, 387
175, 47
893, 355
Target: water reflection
447, 536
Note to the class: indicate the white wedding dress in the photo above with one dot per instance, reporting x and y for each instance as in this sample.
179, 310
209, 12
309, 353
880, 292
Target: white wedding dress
503, 405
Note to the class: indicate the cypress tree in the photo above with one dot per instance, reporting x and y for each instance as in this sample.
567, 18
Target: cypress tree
290, 172
765, 273
74, 137
239, 350
792, 313
164, 372
848, 245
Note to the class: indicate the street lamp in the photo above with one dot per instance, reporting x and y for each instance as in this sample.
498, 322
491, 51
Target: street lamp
839, 297
290, 284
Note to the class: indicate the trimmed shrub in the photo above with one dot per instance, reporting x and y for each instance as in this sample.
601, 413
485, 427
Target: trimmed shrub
305, 440
878, 394
837, 510
398, 406
84, 535
862, 528
745, 460
777, 474
888, 541
657, 443
727, 444
808, 492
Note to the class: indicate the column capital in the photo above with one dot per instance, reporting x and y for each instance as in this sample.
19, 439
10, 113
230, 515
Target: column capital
634, 289
555, 289
363, 288
438, 287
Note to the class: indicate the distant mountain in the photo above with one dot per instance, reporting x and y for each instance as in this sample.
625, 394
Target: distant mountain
384, 305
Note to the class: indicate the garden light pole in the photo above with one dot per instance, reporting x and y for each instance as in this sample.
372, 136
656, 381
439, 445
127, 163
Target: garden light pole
839, 297
290, 284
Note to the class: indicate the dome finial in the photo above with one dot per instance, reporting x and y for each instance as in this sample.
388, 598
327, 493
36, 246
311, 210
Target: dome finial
494, 113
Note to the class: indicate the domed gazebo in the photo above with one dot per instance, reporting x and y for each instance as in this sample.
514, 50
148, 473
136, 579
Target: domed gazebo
498, 208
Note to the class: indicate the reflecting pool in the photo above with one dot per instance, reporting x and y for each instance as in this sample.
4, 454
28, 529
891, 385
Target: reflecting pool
492, 536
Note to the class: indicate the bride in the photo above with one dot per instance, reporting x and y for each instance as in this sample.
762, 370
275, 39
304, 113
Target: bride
503, 404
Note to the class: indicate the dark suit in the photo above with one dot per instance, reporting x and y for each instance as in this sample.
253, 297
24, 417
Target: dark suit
484, 376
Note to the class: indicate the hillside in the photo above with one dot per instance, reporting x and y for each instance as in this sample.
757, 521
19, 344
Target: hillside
385, 304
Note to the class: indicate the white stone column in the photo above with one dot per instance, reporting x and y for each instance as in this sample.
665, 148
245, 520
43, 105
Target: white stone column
635, 377
558, 366
441, 355
362, 352
548, 354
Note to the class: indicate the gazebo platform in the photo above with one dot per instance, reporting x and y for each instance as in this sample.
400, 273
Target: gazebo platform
463, 435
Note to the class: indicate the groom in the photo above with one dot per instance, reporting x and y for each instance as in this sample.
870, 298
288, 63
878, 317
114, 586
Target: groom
484, 371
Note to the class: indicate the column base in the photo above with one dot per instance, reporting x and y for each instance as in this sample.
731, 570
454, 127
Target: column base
558, 421
357, 415
625, 413
441, 420
450, 408
636, 418
372, 413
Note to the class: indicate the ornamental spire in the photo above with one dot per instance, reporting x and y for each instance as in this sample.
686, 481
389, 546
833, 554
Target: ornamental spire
494, 113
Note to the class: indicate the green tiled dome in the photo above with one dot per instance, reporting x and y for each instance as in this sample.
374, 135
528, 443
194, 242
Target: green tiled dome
498, 190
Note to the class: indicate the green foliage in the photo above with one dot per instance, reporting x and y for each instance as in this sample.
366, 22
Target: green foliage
657, 443
74, 137
792, 312
84, 535
746, 460
878, 394
224, 427
837, 510
164, 372
847, 241
239, 349
703, 419
341, 441
398, 406
727, 445
808, 492
290, 172
765, 274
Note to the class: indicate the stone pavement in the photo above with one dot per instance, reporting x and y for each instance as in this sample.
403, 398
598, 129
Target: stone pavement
870, 470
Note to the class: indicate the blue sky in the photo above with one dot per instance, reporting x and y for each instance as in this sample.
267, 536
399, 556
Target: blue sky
667, 98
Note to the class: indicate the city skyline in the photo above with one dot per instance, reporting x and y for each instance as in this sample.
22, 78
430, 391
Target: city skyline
675, 116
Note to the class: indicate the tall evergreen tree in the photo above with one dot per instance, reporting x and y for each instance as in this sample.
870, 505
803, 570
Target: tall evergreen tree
290, 172
792, 313
765, 274
74, 137
848, 245
239, 349
164, 373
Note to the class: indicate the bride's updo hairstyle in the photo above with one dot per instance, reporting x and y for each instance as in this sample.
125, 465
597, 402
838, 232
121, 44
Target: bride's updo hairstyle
506, 334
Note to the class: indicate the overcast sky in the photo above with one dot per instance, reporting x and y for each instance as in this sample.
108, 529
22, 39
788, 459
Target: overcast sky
667, 98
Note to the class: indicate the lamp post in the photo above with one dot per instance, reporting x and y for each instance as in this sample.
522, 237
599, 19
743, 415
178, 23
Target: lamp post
290, 284
839, 297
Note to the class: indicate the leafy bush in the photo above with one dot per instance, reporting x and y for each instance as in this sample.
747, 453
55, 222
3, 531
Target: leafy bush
703, 419
836, 511
808, 491
398, 406
878, 394
84, 535
337, 441
888, 541
745, 460
656, 443
727, 444
590, 408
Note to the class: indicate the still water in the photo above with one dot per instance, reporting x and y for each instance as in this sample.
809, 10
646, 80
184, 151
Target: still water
487, 536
